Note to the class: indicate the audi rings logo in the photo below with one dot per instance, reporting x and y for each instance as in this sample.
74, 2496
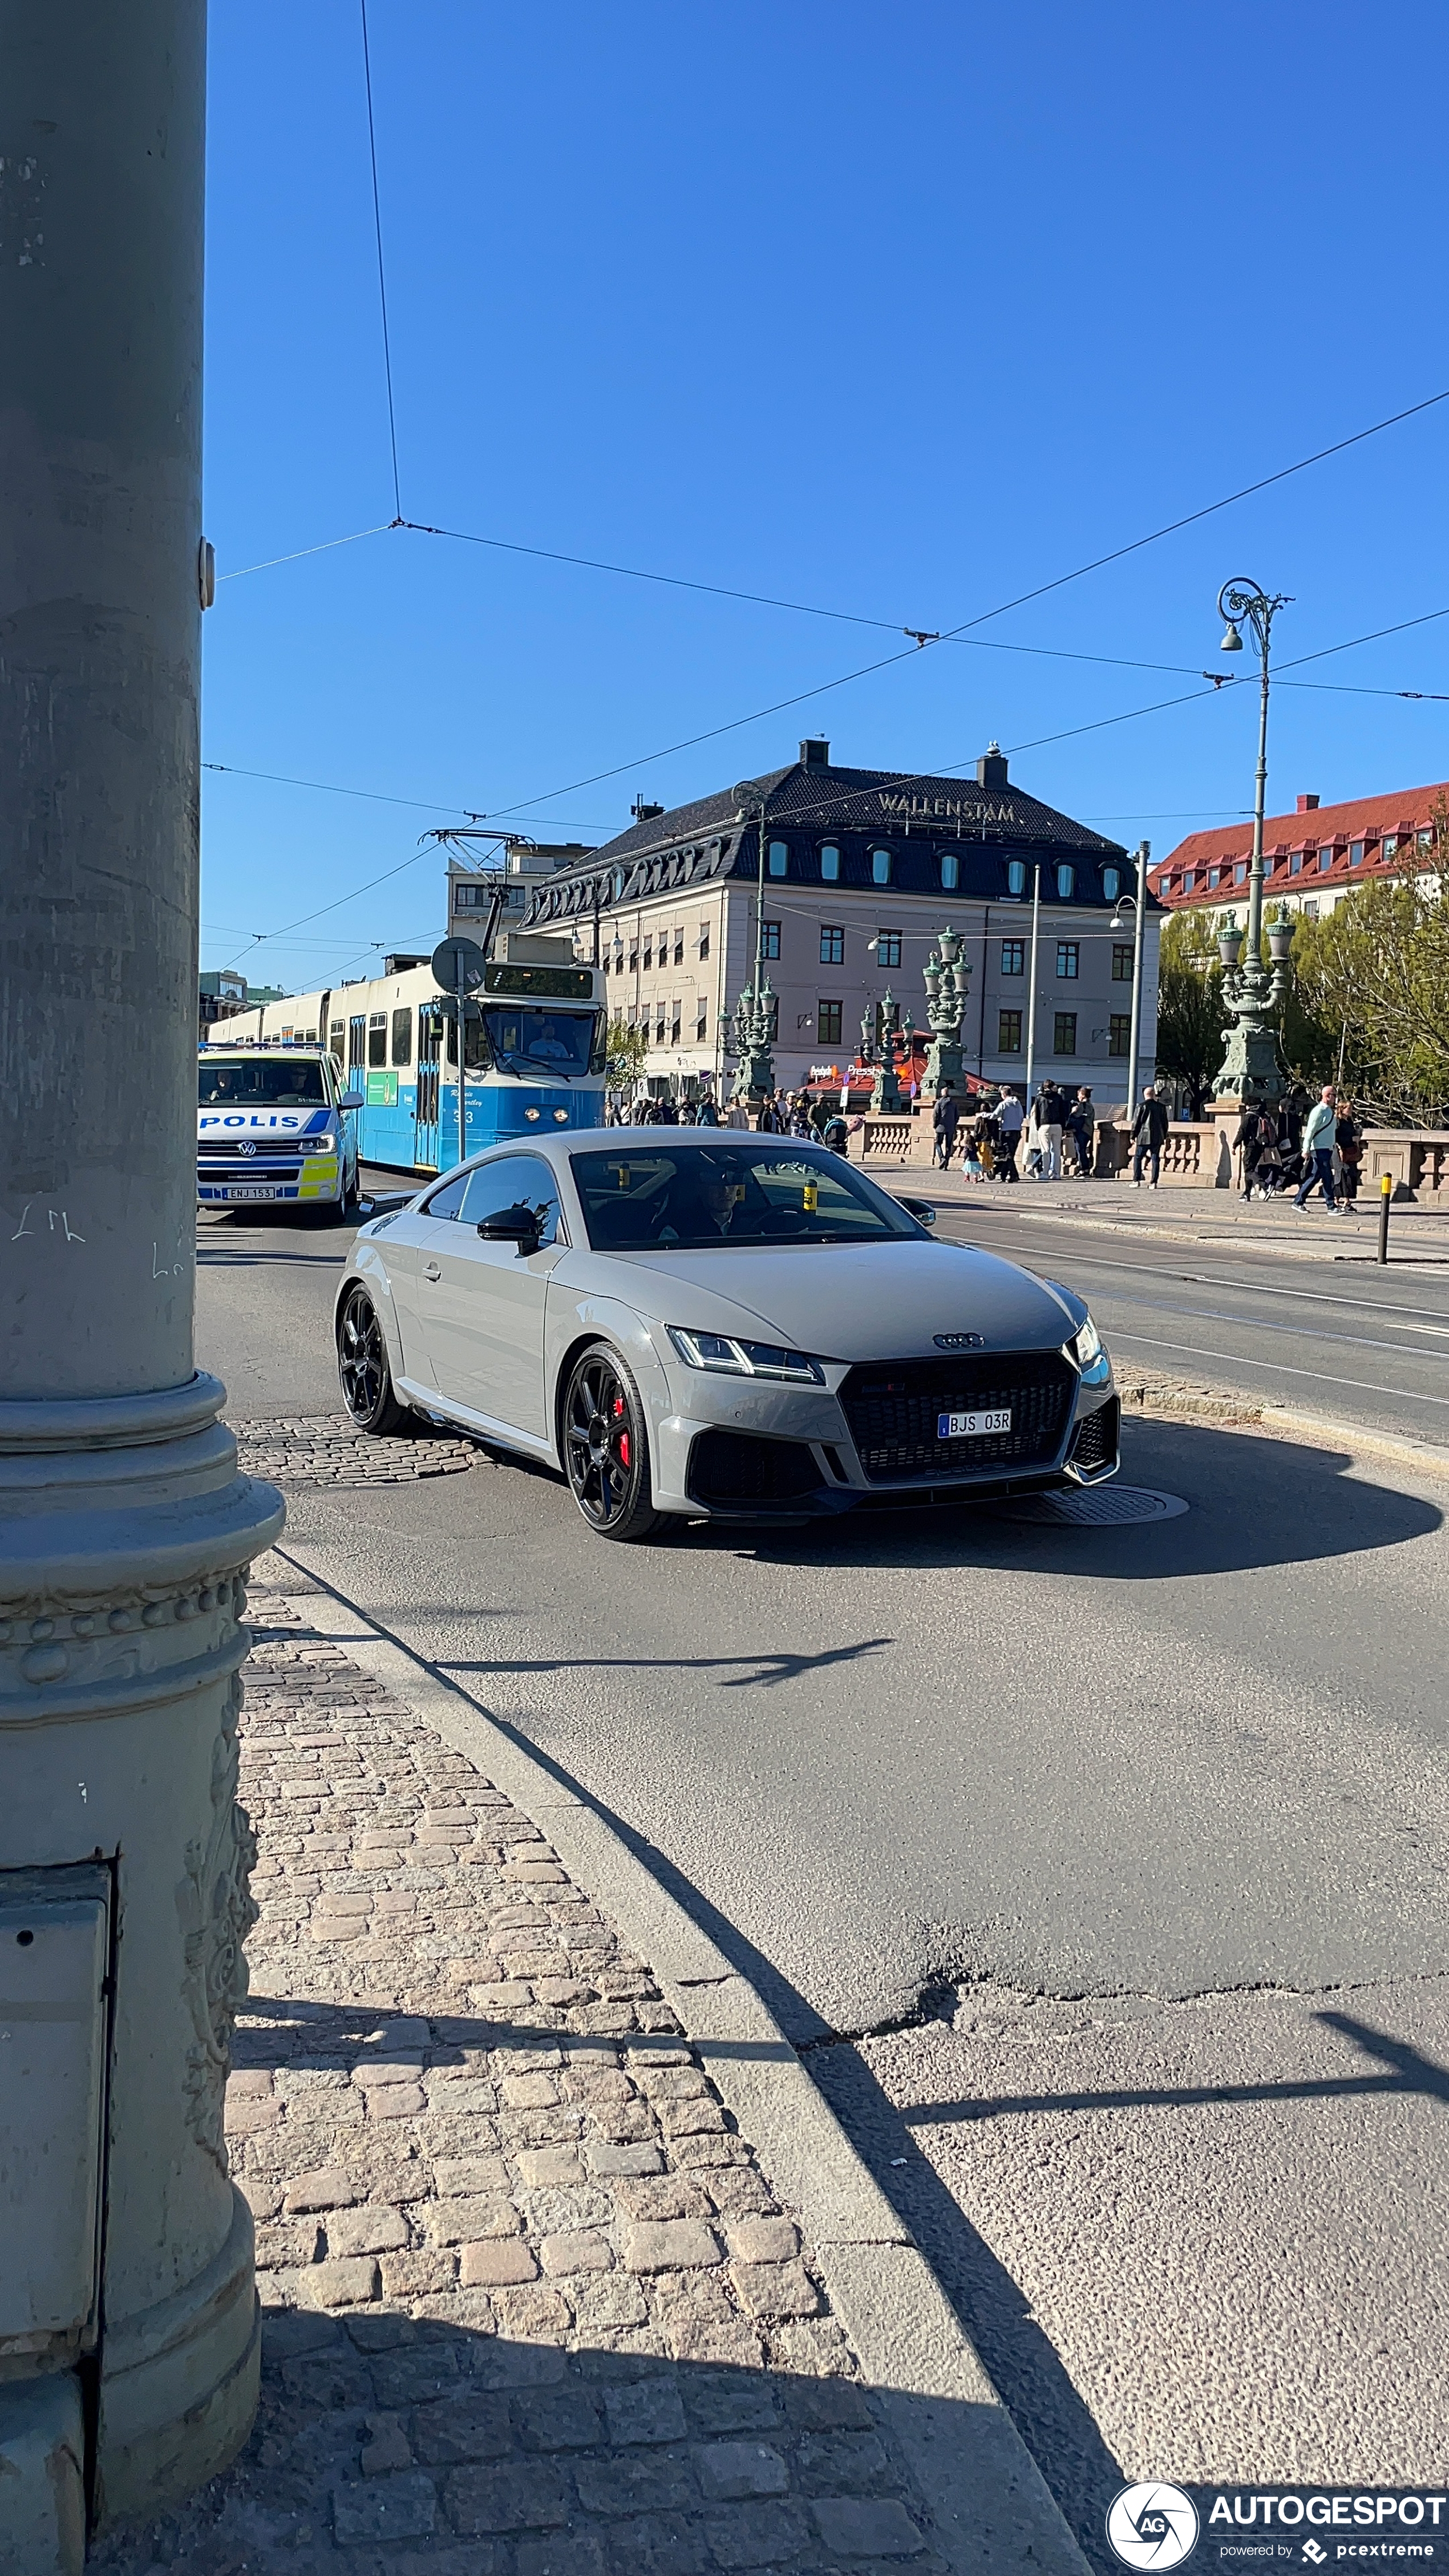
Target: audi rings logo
960, 1341
1152, 2526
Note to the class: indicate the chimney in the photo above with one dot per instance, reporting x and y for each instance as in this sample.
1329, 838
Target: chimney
815, 755
643, 813
991, 767
1307, 804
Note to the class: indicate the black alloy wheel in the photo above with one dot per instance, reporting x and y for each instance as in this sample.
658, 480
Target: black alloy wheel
606, 1450
363, 1371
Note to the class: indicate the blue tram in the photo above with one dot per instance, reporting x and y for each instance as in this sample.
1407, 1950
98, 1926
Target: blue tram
533, 1053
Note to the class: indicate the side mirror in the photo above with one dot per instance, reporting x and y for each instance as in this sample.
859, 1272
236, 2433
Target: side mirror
516, 1225
353, 1100
921, 1210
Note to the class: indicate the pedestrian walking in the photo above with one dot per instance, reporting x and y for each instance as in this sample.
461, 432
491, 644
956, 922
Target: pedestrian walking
1009, 1120
945, 1119
1254, 1128
1149, 1135
1044, 1149
1081, 1130
1349, 1141
1318, 1135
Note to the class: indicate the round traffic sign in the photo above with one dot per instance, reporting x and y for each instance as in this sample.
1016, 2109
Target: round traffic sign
458, 965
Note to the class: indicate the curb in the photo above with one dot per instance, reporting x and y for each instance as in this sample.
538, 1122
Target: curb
1230, 1239
1233, 1412
1432, 1456
994, 2512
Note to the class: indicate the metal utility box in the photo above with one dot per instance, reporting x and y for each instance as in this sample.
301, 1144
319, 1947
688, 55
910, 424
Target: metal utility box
54, 1977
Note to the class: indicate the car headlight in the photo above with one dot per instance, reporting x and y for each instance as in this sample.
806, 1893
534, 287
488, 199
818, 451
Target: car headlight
319, 1145
1090, 1355
726, 1357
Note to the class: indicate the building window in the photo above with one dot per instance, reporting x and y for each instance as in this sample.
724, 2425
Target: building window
880, 867
1189, 880
1310, 908
777, 858
703, 940
1016, 876
649, 953
679, 946
1111, 883
1008, 1033
701, 1021
1066, 879
633, 956
402, 1037
1119, 1033
633, 1015
676, 1019
1240, 872
470, 898
1210, 880
1295, 862
1388, 845
1121, 961
1355, 854
1069, 959
827, 1022
377, 1038
1064, 1033
770, 943
830, 863
950, 871
1013, 956
1325, 861
832, 944
1425, 840
888, 948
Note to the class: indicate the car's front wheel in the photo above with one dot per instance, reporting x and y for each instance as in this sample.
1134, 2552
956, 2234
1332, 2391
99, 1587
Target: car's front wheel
363, 1369
606, 1446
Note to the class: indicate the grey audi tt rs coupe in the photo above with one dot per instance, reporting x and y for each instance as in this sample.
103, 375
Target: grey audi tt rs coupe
708, 1324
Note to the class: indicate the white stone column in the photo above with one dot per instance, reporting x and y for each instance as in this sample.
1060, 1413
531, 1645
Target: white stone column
127, 2301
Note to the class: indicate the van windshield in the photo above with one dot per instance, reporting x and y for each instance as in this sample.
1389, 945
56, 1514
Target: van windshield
260, 1082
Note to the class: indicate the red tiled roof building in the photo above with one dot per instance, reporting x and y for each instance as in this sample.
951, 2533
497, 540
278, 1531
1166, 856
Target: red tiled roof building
1311, 858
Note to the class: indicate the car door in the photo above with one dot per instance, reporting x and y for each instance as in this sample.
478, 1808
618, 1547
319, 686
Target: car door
409, 1249
484, 1308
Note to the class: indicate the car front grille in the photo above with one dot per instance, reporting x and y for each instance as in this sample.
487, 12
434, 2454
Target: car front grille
272, 1149
892, 1408
1094, 1444
736, 1469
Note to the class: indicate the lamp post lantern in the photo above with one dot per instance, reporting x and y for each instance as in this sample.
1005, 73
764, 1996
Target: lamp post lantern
945, 976
757, 1010
1252, 1067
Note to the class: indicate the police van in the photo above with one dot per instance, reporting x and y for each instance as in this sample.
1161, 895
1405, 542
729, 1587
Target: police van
273, 1125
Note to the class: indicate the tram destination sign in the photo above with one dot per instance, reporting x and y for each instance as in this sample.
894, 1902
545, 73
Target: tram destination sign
541, 983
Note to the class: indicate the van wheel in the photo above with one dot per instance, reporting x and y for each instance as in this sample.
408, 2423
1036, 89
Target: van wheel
363, 1371
606, 1446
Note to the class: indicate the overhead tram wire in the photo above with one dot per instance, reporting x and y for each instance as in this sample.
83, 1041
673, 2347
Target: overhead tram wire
381, 272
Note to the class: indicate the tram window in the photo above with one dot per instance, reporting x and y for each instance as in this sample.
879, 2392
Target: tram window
335, 1037
402, 1037
475, 1054
377, 1038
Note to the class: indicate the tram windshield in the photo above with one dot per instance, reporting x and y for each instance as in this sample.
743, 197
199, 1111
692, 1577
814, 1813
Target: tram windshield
260, 1082
550, 1045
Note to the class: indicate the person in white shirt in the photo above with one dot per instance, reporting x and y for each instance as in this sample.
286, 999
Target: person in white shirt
1009, 1119
1318, 1136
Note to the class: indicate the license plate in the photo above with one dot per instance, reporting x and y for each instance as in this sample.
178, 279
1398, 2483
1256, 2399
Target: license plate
255, 1190
970, 1426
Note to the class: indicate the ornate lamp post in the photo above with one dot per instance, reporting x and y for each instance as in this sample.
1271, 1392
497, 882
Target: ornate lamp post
757, 1011
879, 1028
946, 975
1252, 1067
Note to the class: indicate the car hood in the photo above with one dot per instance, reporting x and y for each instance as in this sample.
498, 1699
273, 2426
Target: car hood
850, 1301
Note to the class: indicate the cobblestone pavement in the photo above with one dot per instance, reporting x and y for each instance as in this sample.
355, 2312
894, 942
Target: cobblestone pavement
327, 1449
530, 2308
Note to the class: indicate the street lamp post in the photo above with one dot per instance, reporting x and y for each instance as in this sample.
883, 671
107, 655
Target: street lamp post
945, 976
757, 1008
1252, 1067
1138, 902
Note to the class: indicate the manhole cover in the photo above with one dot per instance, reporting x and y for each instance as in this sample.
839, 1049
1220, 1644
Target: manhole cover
1096, 1507
326, 1450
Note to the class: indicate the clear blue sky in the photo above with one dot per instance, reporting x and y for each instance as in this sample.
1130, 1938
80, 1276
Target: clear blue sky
893, 310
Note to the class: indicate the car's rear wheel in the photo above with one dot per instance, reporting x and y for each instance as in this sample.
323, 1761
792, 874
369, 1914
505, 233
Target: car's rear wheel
606, 1446
363, 1369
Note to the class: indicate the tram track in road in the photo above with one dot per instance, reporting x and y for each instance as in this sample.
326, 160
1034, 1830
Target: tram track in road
1298, 1346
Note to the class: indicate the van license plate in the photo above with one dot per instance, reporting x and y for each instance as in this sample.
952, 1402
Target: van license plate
255, 1191
970, 1426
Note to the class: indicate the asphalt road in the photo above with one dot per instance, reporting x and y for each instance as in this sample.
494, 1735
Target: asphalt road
1339, 1337
1138, 1831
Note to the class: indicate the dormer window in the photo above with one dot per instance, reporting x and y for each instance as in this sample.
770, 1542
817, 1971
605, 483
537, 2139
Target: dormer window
1016, 876
1111, 883
830, 863
777, 858
950, 871
1066, 880
880, 867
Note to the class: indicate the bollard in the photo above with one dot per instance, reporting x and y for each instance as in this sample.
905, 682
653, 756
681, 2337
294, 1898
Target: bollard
128, 2313
1386, 1192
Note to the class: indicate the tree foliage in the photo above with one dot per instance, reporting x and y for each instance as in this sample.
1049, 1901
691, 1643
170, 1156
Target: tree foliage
1375, 975
628, 1053
1191, 1012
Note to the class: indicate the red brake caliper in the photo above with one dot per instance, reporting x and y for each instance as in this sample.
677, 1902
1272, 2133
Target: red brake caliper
623, 1436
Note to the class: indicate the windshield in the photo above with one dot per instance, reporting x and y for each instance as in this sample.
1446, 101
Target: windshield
260, 1082
701, 1196
539, 1042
